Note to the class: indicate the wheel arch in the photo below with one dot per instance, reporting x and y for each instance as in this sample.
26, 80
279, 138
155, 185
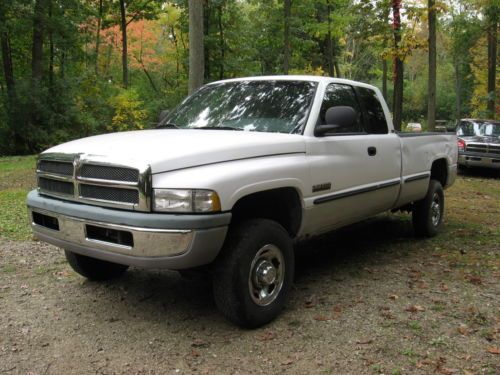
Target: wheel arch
439, 171
281, 204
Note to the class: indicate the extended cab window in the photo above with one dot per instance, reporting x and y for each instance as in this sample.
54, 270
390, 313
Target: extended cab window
376, 122
337, 94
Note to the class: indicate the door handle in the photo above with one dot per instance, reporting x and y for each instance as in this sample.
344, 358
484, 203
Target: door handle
372, 151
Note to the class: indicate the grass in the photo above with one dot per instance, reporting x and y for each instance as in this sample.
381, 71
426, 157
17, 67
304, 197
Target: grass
17, 177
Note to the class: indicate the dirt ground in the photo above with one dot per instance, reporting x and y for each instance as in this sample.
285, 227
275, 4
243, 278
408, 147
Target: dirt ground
369, 299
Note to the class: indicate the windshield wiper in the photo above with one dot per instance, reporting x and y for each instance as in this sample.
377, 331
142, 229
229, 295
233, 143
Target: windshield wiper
218, 128
168, 125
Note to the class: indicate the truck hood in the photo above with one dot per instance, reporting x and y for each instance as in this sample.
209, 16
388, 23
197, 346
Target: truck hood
491, 139
171, 149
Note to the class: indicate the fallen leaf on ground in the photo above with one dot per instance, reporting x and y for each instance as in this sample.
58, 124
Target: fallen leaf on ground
266, 336
321, 318
447, 371
198, 343
415, 308
493, 350
462, 329
287, 362
364, 342
476, 280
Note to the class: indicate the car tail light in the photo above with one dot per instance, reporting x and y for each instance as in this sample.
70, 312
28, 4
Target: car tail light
461, 145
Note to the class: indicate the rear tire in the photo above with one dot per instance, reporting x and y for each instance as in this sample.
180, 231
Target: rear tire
94, 269
254, 273
428, 213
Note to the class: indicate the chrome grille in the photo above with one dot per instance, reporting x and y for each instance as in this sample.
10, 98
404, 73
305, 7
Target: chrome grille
95, 180
483, 148
56, 167
56, 186
109, 193
102, 172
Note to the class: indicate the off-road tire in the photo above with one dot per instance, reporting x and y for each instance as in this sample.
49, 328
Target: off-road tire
232, 272
94, 269
427, 217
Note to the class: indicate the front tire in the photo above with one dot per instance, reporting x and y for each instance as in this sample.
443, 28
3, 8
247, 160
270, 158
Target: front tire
254, 273
94, 269
428, 213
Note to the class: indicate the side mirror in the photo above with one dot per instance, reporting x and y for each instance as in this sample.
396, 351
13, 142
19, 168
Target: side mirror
338, 117
163, 115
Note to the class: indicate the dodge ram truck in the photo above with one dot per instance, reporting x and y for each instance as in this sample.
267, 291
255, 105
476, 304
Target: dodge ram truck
232, 178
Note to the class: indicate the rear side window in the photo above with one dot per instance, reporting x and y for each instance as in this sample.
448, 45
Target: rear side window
376, 122
340, 95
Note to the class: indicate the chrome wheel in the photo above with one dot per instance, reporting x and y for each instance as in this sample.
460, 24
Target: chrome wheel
436, 210
267, 273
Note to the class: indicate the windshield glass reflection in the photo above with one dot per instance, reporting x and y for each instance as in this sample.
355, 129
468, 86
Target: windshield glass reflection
264, 106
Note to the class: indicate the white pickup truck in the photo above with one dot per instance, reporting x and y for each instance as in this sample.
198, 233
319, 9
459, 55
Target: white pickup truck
232, 178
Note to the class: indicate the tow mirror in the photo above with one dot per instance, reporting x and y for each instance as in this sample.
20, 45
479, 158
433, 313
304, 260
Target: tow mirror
338, 117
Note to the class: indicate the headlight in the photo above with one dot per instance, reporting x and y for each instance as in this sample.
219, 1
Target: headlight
181, 200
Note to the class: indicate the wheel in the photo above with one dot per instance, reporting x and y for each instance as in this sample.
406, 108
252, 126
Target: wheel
428, 213
254, 273
94, 269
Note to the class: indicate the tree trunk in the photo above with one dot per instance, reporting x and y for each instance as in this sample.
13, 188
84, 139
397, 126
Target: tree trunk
51, 48
431, 83
384, 78
221, 43
386, 12
123, 27
37, 47
337, 69
287, 7
207, 10
196, 55
98, 38
492, 58
8, 69
458, 89
329, 44
397, 105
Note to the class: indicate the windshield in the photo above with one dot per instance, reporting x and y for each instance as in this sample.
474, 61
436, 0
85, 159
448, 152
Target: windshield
468, 129
491, 129
264, 106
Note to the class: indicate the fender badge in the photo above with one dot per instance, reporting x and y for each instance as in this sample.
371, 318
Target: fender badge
321, 187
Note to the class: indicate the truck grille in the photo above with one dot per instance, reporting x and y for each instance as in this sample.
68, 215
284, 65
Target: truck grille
55, 186
109, 193
94, 180
483, 148
109, 173
56, 167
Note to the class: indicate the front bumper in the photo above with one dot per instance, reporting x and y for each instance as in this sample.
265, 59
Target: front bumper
146, 240
478, 160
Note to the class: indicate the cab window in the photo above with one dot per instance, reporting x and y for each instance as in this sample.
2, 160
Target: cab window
341, 95
375, 122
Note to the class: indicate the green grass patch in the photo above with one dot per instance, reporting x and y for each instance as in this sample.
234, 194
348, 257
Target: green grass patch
16, 163
13, 215
16, 179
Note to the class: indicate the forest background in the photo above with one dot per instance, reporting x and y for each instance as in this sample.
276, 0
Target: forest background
74, 68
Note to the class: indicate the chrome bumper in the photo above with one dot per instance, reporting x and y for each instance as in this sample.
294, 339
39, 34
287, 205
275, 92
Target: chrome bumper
475, 160
134, 245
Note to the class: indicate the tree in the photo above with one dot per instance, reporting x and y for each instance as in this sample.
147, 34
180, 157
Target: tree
287, 9
397, 104
431, 83
492, 16
123, 28
196, 55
